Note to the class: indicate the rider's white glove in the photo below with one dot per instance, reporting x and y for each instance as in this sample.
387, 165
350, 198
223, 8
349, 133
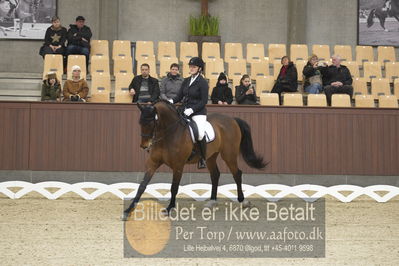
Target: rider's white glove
171, 101
188, 112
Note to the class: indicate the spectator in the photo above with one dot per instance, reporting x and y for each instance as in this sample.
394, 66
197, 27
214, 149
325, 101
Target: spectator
171, 84
76, 90
144, 88
54, 40
51, 88
222, 94
313, 83
79, 36
287, 80
245, 94
336, 79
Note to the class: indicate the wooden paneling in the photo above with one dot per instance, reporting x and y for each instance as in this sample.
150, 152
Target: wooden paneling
106, 137
14, 136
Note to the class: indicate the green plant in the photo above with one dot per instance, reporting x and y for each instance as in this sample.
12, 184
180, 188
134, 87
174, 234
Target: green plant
204, 25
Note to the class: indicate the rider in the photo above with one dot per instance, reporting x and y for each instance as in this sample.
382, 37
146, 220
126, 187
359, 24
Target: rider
194, 97
387, 5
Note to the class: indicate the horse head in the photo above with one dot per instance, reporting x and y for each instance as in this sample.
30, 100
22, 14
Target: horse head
147, 123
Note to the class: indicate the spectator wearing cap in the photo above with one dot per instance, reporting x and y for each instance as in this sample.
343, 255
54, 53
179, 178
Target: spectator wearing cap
55, 38
79, 36
222, 94
51, 88
75, 90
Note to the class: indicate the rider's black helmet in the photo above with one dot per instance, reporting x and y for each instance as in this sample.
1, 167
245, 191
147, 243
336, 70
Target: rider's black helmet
196, 61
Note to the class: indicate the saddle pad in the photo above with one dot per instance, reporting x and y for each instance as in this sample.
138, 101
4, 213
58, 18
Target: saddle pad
209, 133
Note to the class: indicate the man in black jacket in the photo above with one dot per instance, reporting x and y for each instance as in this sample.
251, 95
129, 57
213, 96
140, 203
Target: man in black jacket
79, 36
144, 88
336, 79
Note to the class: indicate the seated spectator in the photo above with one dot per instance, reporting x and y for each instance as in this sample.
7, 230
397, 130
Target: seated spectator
171, 84
75, 90
245, 93
313, 83
287, 80
336, 79
54, 40
51, 88
222, 94
79, 36
144, 88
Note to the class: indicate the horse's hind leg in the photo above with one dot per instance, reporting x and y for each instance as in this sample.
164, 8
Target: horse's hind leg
231, 160
215, 174
151, 168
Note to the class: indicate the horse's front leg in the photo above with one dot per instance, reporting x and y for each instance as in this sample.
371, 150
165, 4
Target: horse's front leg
151, 168
177, 174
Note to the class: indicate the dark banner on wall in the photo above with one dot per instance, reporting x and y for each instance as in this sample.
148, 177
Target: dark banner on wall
378, 22
26, 19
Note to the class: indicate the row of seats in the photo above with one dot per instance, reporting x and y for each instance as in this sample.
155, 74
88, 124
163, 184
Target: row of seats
121, 54
232, 51
337, 100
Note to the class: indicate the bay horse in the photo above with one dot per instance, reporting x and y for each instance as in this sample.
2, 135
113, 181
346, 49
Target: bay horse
165, 134
382, 15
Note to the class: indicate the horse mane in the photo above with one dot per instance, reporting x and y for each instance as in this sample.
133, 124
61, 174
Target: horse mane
168, 104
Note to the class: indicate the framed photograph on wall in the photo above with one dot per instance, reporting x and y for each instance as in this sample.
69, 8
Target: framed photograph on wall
26, 19
378, 22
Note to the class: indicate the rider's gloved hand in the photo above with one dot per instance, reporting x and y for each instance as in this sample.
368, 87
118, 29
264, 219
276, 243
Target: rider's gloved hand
188, 112
171, 101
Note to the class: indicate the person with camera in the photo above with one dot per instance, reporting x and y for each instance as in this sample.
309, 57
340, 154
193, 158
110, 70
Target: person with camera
287, 80
245, 93
75, 90
313, 83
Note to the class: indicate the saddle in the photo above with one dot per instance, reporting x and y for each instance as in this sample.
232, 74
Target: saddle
209, 131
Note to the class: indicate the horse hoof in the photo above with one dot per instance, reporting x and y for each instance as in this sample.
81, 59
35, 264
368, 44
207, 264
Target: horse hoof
246, 204
210, 204
124, 216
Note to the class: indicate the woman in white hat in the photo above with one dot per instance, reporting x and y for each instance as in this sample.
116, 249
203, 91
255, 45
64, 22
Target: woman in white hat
75, 90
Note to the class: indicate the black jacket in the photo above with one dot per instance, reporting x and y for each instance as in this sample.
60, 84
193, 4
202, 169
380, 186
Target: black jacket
332, 74
242, 98
51, 39
153, 87
291, 77
75, 36
222, 93
194, 96
309, 71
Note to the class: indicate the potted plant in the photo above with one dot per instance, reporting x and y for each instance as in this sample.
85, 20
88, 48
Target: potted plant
204, 28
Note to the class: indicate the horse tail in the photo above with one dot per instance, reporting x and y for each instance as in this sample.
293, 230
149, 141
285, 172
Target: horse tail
246, 147
370, 19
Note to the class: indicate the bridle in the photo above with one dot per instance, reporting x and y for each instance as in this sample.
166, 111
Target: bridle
152, 135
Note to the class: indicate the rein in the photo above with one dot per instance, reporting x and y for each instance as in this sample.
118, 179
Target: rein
171, 126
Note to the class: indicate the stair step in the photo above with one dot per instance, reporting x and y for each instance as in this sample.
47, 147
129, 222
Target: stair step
28, 93
22, 99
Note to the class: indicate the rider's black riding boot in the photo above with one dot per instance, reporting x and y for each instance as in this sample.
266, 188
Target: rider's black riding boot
202, 148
